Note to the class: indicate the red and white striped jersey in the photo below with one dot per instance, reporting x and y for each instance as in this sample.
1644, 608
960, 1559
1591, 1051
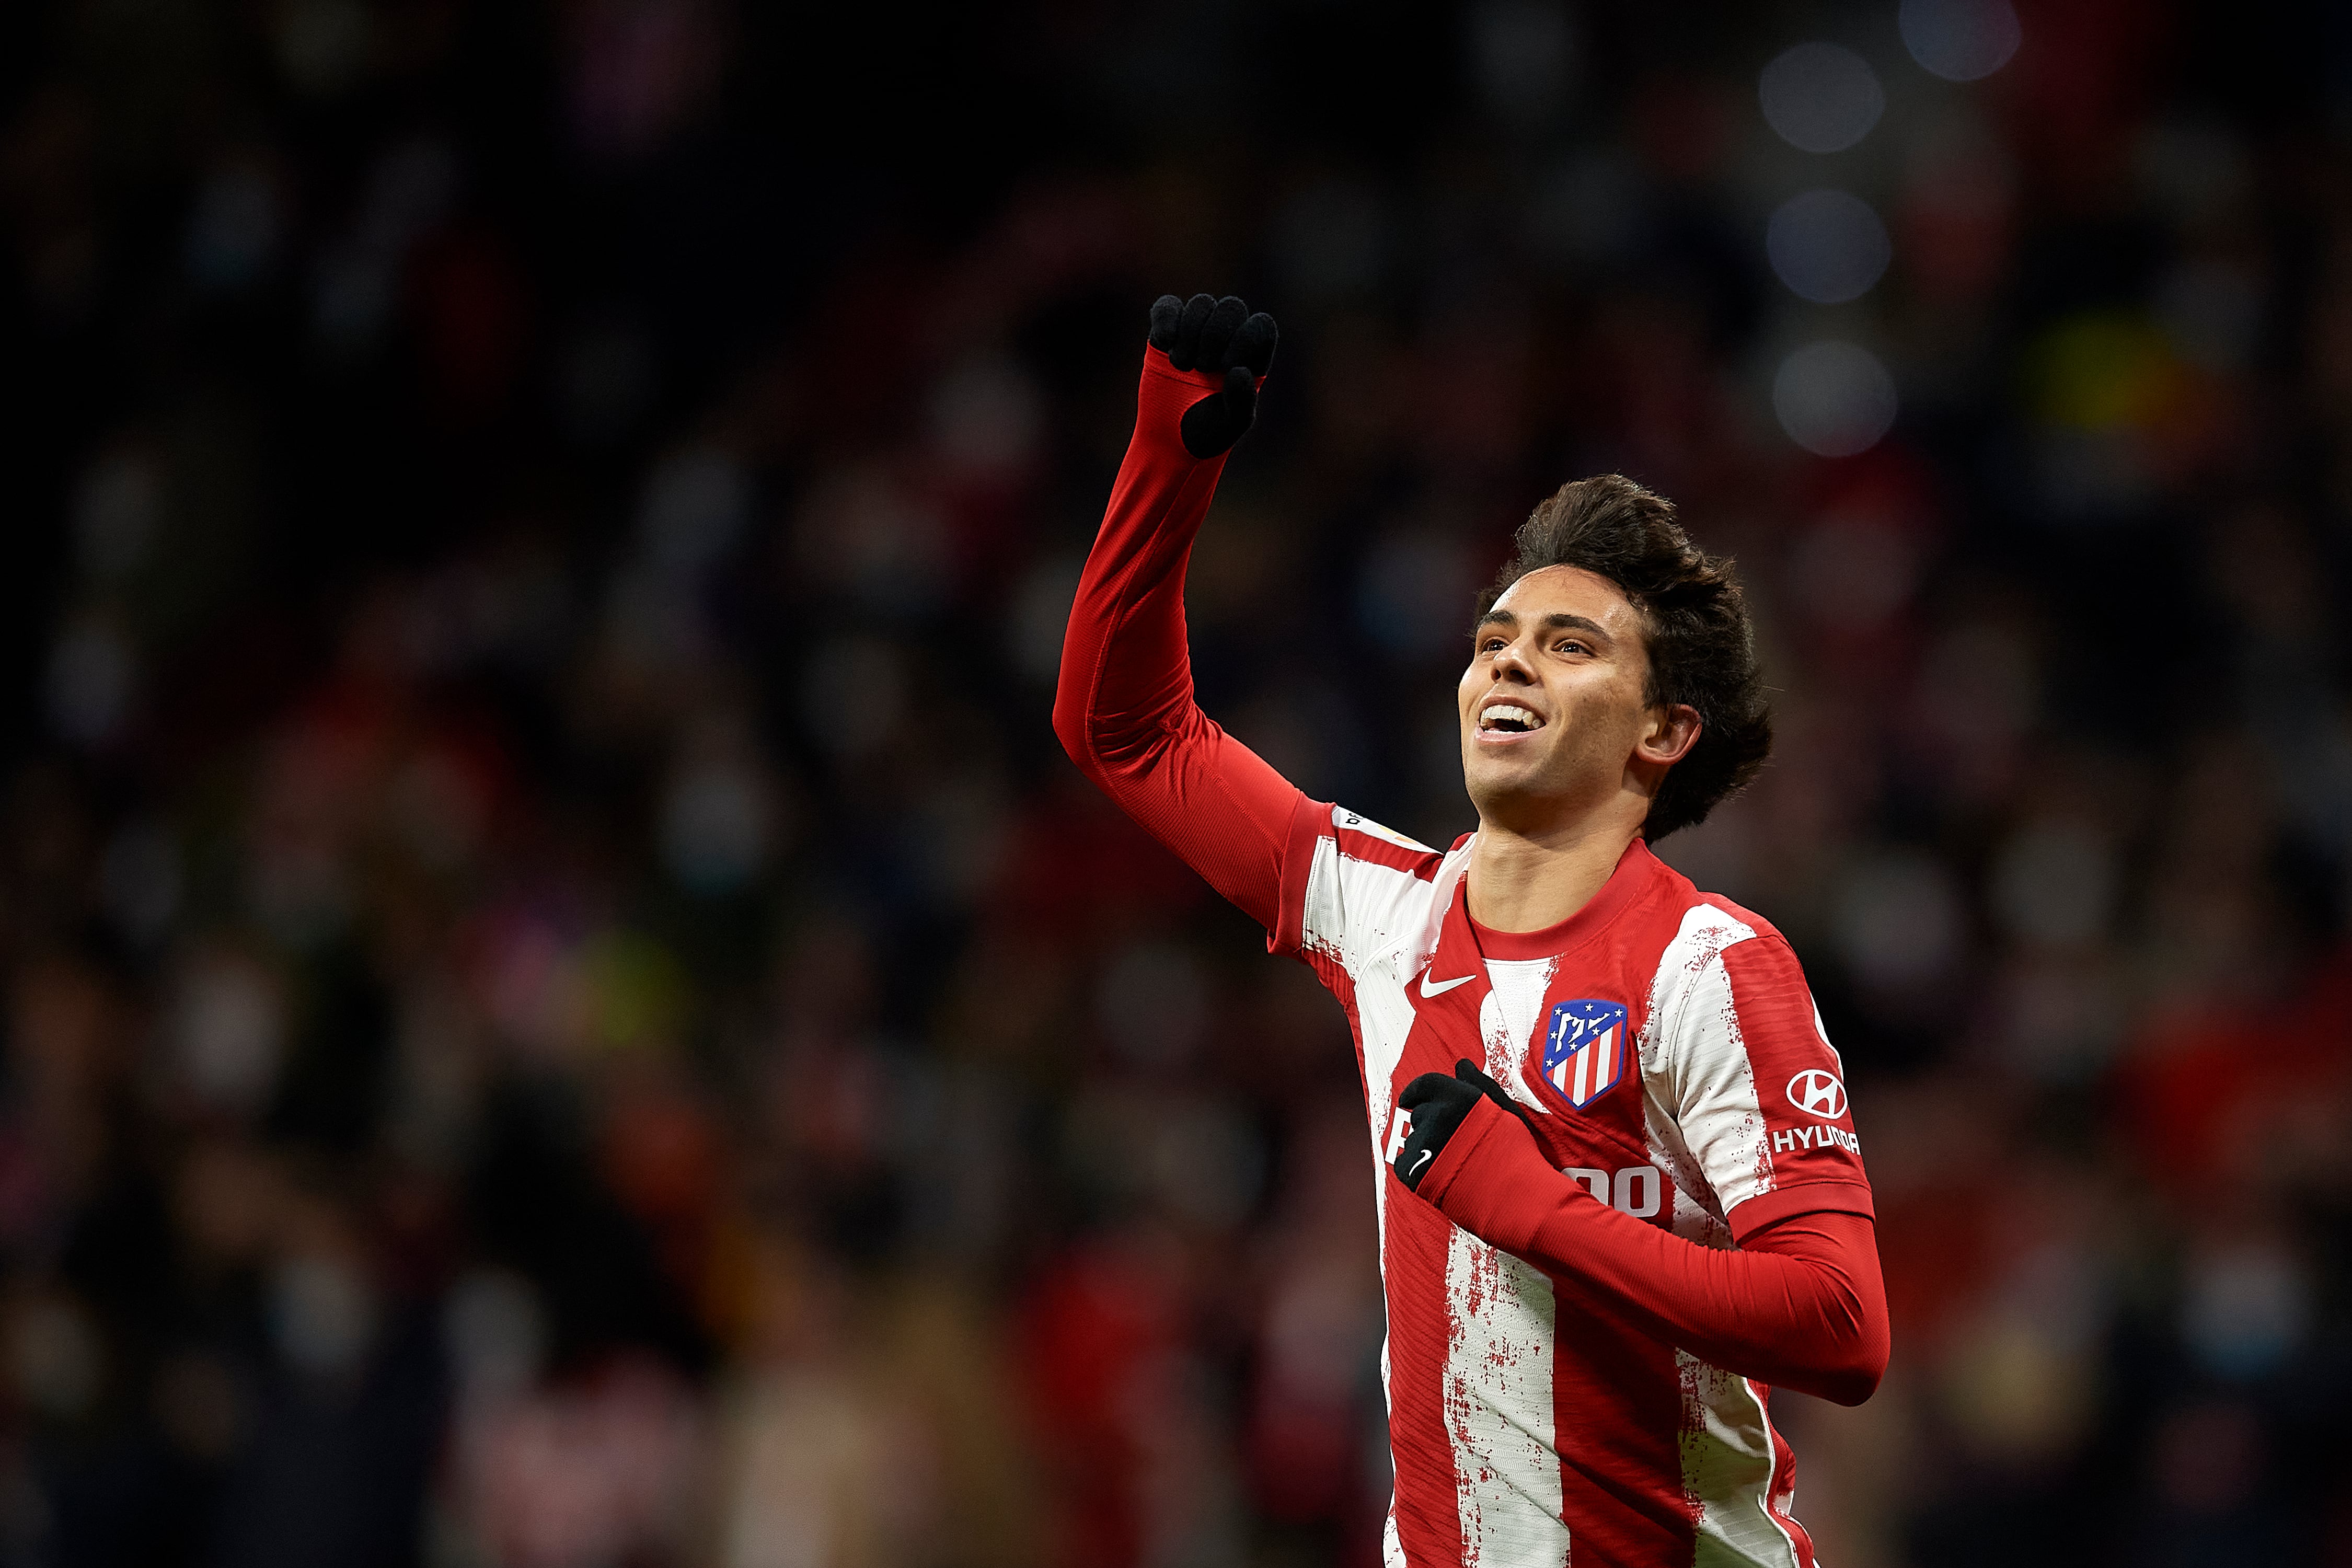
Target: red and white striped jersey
1672, 1061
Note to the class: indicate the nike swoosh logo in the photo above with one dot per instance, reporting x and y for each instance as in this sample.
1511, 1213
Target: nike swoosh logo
1443, 985
1417, 1164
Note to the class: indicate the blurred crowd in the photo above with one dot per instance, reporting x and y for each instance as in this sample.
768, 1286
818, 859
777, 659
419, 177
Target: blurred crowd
564, 1010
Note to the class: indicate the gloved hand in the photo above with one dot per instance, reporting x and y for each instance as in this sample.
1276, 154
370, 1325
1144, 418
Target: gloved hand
1222, 337
1438, 1106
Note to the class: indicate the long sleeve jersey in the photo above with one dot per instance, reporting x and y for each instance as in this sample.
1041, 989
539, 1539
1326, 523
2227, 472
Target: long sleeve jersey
1585, 1320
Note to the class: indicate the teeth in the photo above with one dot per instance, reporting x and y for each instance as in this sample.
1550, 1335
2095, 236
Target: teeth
1507, 714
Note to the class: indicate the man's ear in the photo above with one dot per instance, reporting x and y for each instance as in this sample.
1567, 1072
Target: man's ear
1668, 734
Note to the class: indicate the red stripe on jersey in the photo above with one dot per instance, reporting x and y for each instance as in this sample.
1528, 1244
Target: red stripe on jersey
1429, 1523
1617, 1405
1358, 845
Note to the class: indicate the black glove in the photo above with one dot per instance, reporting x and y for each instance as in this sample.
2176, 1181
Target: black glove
1438, 1106
1221, 336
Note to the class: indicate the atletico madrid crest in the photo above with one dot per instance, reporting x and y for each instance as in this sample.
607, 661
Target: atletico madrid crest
1584, 1048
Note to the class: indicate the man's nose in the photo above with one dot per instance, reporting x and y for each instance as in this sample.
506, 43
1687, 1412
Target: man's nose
1507, 661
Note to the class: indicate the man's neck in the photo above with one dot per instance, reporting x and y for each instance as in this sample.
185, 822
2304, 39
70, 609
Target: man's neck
1521, 881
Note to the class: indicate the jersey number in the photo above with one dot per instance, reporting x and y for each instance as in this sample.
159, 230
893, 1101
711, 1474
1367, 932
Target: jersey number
1633, 1189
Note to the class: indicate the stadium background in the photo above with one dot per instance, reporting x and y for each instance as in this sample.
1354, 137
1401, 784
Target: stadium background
563, 1008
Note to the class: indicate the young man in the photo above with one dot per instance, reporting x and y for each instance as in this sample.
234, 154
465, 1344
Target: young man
1620, 1195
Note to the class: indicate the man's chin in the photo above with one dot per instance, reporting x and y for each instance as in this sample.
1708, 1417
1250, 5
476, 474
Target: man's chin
1505, 791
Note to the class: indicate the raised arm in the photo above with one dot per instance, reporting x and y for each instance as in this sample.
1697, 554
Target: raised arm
1124, 707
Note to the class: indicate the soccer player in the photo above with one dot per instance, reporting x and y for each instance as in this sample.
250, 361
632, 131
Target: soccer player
1620, 1195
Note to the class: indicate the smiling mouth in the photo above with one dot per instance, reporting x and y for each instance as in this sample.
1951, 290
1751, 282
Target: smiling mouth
1507, 718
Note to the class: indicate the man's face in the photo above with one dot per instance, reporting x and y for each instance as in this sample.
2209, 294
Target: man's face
1553, 710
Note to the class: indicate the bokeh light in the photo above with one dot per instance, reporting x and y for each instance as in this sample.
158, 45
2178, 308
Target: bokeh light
1960, 40
1821, 98
1835, 398
1828, 246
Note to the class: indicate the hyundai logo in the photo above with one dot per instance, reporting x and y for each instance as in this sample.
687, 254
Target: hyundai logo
1818, 1093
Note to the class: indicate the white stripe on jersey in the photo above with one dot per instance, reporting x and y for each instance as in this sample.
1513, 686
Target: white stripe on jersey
1498, 1407
1361, 911
1378, 925
1693, 1051
1519, 984
1379, 897
1728, 1468
1506, 1019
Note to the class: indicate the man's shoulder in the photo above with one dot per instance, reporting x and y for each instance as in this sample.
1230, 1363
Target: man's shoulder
1367, 886
1686, 928
1713, 911
1357, 837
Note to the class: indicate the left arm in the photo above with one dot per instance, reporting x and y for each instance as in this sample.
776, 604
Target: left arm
1760, 1098
1800, 1305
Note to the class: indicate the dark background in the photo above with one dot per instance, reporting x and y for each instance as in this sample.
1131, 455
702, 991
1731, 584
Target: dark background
565, 1008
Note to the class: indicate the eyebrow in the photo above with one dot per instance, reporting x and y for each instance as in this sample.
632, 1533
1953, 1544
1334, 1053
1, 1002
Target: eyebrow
1557, 621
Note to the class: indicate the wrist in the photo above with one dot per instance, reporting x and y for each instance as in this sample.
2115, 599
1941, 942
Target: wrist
1166, 395
1162, 399
1474, 1176
1156, 362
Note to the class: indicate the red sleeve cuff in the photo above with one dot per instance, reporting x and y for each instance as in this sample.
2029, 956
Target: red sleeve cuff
1162, 397
1803, 1197
1491, 1179
1161, 401
1155, 362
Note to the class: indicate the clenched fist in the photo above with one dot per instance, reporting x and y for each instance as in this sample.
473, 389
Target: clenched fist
1222, 338
1438, 1106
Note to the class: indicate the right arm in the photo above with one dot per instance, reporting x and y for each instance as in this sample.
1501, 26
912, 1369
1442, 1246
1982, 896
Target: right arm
1124, 707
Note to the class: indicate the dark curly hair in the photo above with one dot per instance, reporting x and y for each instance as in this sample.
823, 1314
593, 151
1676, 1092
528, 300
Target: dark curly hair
1702, 647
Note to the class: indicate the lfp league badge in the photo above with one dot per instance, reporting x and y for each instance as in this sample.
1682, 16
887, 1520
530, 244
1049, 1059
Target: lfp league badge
1584, 1048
